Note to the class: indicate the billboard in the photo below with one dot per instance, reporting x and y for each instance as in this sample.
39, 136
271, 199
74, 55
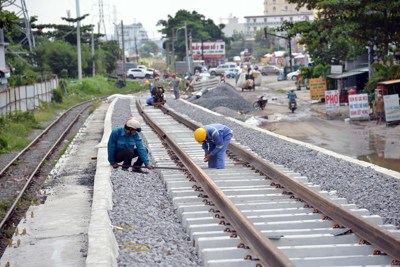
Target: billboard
207, 50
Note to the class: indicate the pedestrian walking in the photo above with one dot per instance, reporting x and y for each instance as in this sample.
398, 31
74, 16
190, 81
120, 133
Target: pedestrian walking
214, 139
126, 144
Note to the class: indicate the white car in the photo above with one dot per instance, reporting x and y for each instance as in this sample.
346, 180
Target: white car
134, 73
222, 68
293, 75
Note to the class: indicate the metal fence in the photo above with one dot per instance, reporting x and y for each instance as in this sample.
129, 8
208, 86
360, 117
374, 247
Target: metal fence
28, 97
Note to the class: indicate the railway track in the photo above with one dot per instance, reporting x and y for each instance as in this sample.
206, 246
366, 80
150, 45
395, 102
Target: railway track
254, 213
18, 176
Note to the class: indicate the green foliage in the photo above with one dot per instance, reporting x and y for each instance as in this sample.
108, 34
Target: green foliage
57, 95
63, 74
343, 29
15, 127
383, 72
3, 145
149, 49
202, 29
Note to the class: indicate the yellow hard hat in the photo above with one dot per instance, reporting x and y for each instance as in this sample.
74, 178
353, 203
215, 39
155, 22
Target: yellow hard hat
200, 135
147, 82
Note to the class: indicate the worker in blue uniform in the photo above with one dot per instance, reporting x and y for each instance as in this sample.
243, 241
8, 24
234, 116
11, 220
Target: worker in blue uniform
214, 139
126, 144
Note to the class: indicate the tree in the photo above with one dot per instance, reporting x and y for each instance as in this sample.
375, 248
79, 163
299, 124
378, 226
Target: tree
149, 49
344, 28
384, 72
200, 28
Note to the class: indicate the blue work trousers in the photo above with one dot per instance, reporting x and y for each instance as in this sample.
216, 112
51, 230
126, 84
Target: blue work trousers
218, 160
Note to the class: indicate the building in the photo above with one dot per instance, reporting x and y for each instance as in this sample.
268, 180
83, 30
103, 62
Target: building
275, 12
134, 36
232, 26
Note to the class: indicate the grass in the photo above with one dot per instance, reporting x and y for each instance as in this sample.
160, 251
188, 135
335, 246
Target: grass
15, 128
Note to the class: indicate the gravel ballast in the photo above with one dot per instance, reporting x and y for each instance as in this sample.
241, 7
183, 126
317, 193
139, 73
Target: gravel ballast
145, 223
146, 226
360, 185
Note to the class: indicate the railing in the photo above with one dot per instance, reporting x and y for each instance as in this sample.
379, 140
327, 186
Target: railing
27, 97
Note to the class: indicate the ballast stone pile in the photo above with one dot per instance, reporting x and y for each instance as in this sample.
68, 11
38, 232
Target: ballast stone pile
362, 186
145, 224
224, 95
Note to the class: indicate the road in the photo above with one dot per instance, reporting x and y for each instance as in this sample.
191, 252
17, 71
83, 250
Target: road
365, 140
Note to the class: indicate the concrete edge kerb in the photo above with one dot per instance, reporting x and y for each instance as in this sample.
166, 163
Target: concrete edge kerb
102, 247
382, 170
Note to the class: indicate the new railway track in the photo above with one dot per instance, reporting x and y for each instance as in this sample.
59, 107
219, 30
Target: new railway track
254, 213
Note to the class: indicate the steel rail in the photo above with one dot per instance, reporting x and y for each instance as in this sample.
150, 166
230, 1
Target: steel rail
40, 136
264, 249
375, 235
11, 210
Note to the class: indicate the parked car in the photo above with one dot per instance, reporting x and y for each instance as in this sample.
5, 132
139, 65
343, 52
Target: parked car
293, 75
134, 73
221, 68
231, 73
270, 69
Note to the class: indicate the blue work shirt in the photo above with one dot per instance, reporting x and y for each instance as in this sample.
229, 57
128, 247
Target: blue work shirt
119, 141
292, 96
216, 134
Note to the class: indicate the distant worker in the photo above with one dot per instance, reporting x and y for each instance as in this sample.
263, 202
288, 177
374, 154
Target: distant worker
214, 139
126, 144
292, 97
379, 109
156, 81
175, 85
250, 84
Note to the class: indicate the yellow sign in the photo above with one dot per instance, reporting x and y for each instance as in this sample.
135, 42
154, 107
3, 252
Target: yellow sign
317, 88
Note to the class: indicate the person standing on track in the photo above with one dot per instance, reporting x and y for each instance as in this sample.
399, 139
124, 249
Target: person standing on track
214, 139
175, 85
126, 144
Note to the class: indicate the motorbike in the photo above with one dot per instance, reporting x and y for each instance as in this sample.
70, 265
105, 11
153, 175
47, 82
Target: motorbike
260, 103
292, 106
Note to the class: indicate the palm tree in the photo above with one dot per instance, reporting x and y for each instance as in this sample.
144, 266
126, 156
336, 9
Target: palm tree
383, 72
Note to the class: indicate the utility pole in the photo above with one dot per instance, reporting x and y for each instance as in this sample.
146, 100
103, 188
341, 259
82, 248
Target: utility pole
123, 51
93, 61
173, 51
187, 50
136, 50
78, 41
190, 53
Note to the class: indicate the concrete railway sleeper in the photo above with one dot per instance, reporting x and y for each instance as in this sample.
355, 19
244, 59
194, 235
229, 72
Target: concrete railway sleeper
297, 224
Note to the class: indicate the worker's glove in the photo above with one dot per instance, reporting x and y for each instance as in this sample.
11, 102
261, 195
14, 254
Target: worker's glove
207, 157
115, 165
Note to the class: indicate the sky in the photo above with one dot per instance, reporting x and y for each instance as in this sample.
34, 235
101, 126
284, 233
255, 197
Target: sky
146, 12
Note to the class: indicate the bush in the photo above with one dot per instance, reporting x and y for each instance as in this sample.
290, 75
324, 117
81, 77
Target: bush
64, 74
57, 96
3, 145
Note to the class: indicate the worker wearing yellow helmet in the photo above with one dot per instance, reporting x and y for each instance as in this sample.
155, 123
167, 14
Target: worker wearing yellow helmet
214, 139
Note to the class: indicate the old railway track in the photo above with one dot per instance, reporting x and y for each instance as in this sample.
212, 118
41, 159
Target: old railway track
254, 213
22, 173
